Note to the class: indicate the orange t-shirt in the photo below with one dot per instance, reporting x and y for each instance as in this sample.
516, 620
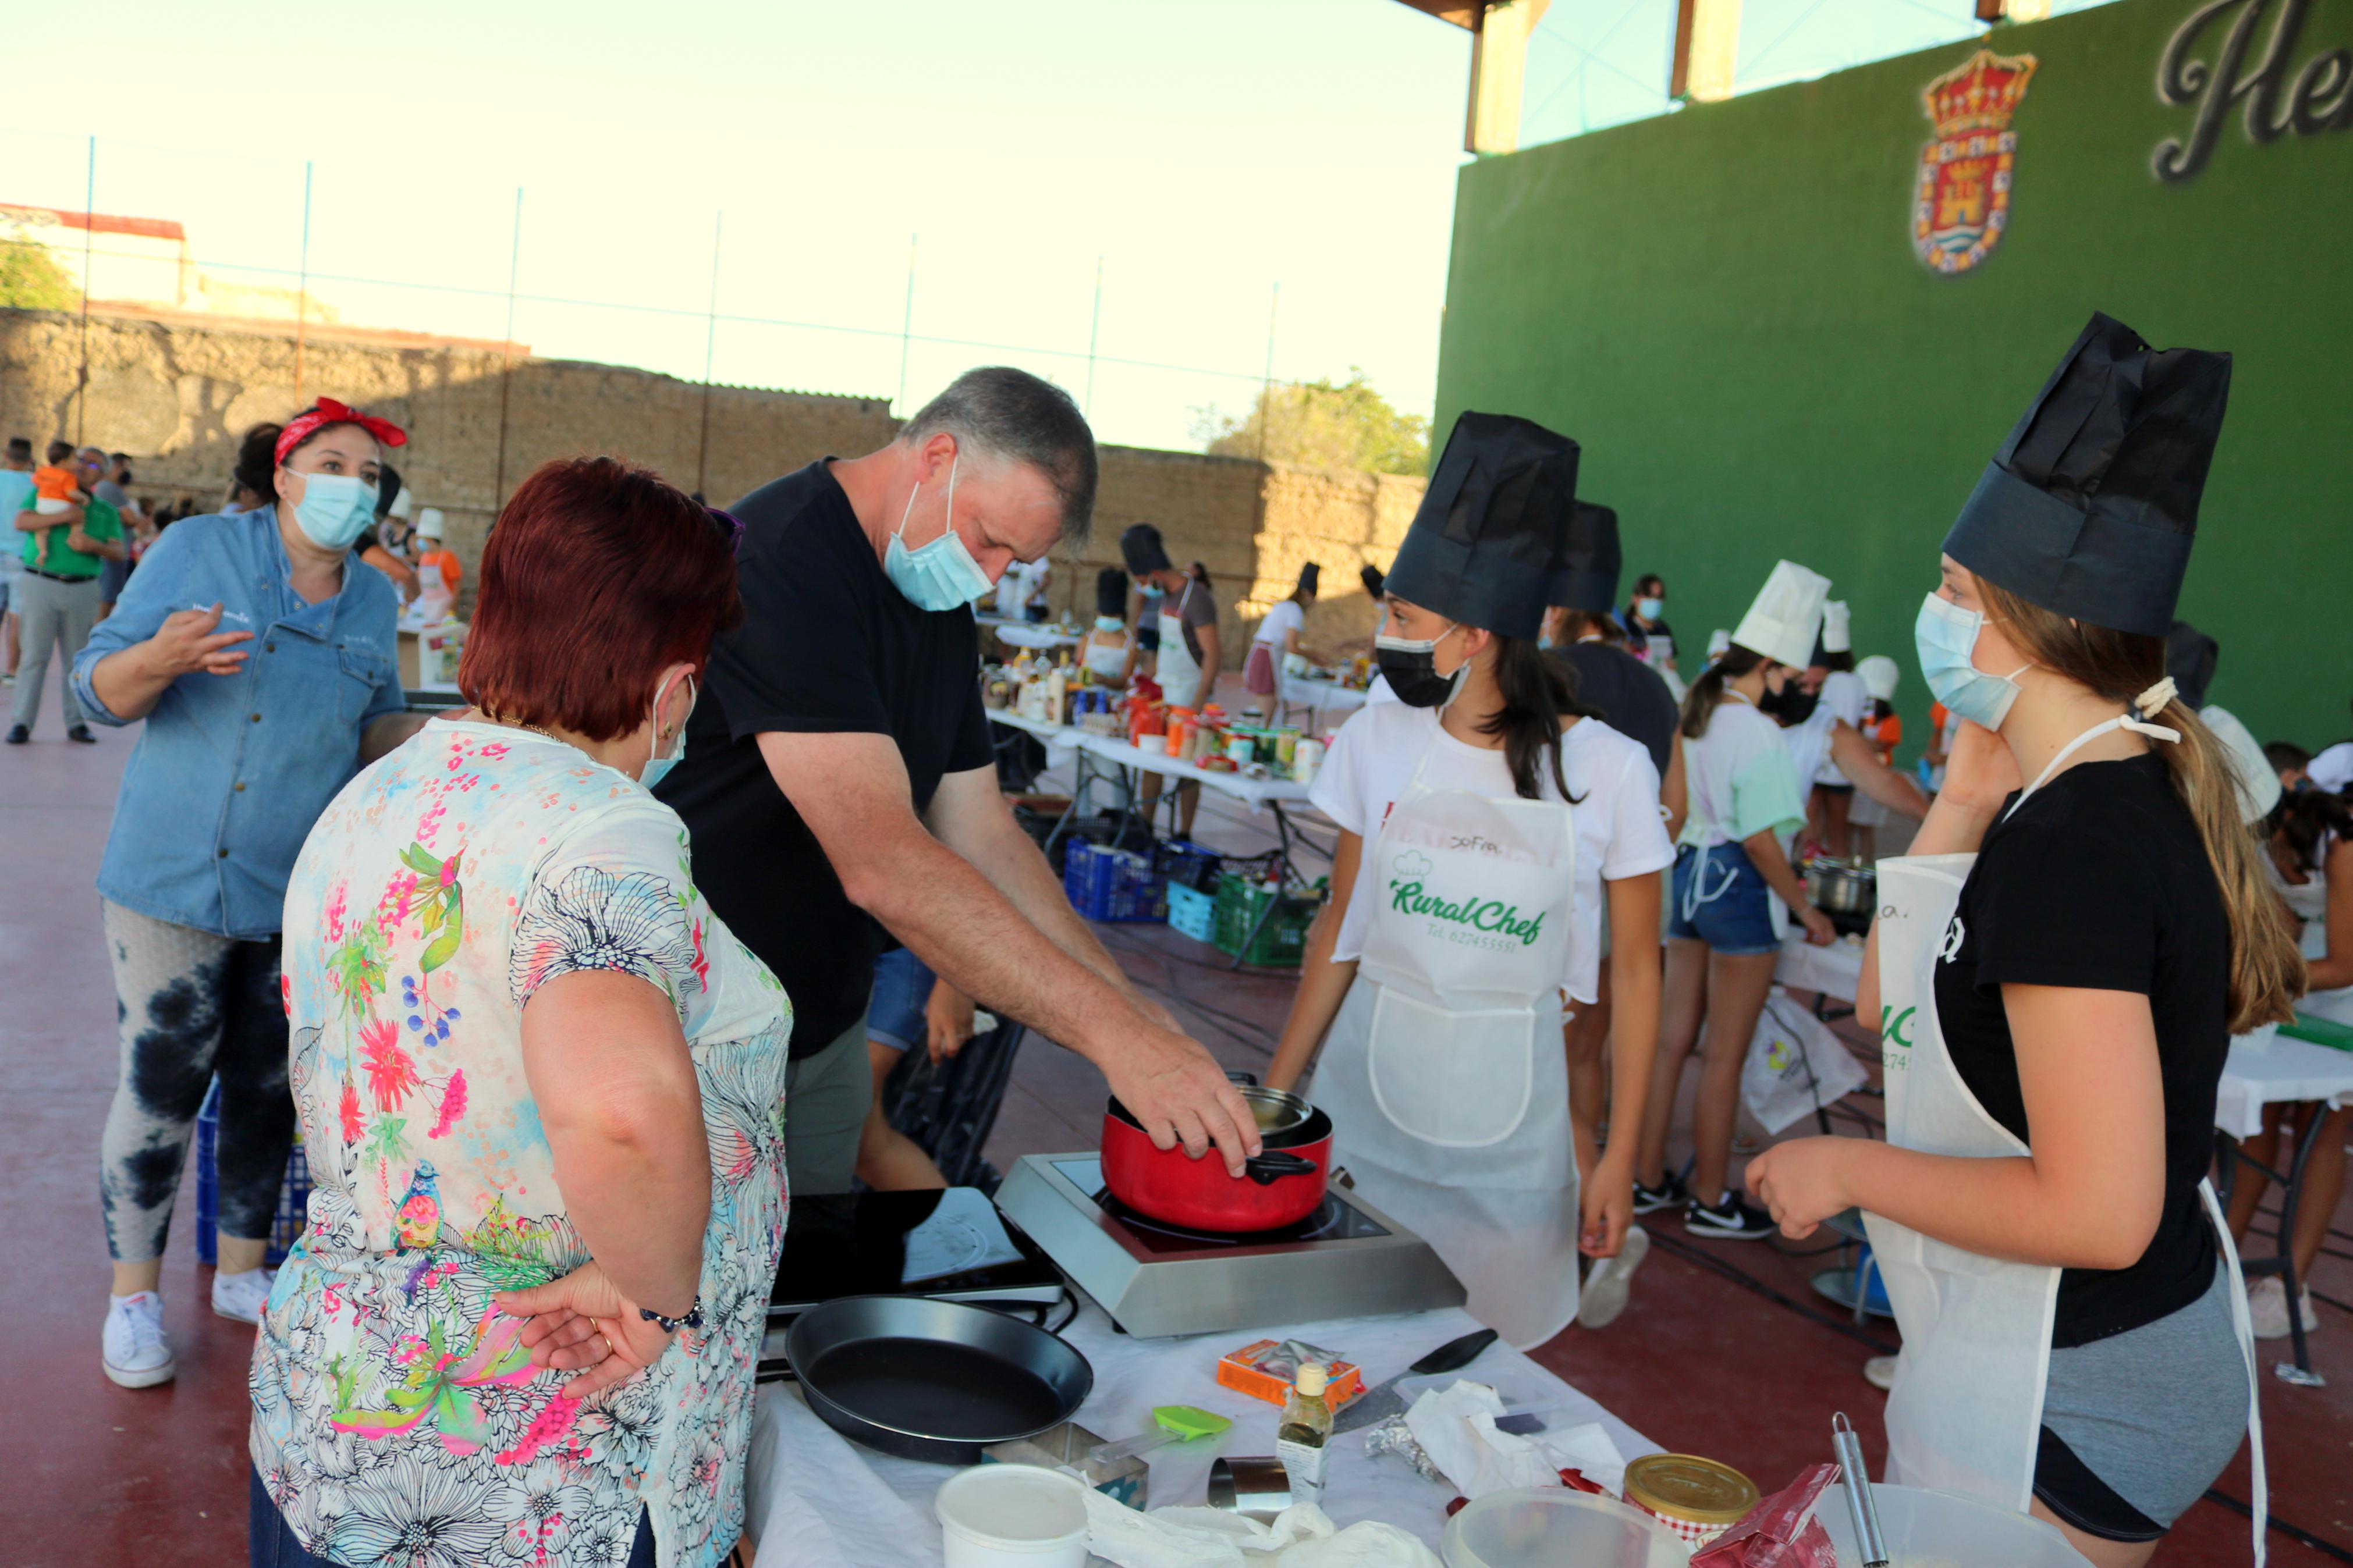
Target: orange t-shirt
444, 561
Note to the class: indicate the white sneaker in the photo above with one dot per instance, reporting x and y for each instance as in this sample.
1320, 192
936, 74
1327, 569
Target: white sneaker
137, 1351
1880, 1372
2267, 1307
1605, 1291
242, 1296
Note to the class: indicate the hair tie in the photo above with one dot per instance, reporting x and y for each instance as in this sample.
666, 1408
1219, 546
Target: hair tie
2147, 704
300, 429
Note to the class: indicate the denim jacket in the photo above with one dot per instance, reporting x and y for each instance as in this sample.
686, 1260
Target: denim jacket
232, 770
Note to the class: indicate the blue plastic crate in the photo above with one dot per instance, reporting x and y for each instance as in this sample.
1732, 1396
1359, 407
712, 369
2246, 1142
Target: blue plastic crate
293, 1195
1116, 886
1192, 913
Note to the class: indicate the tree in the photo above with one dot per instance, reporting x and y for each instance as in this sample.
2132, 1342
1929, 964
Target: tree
31, 281
1318, 424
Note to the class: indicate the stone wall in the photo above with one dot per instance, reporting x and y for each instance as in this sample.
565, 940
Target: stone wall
175, 391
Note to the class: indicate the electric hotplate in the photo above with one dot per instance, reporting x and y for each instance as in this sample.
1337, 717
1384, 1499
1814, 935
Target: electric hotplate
949, 1244
1345, 1260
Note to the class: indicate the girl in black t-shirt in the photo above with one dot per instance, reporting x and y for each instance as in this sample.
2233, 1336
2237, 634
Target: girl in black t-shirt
2113, 933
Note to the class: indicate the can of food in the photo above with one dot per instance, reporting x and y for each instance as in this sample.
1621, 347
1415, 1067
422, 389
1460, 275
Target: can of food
1238, 747
1305, 759
1697, 1499
1286, 748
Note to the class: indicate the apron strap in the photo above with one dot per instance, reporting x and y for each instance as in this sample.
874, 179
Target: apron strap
2149, 701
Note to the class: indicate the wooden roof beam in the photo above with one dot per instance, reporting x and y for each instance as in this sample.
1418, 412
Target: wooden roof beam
1707, 50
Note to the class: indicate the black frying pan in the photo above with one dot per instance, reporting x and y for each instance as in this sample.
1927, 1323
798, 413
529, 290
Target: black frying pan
934, 1381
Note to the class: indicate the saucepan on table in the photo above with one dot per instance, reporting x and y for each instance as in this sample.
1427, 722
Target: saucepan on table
1841, 887
1280, 1187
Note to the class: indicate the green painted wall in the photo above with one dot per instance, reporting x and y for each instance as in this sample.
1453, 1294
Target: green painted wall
1724, 307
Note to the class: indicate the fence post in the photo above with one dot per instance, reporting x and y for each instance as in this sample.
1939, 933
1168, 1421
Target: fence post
506, 367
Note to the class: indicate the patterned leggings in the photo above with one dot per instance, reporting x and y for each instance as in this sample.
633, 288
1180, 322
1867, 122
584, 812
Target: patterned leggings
192, 1004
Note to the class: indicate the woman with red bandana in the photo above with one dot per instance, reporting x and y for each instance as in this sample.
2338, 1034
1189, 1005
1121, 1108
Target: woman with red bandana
259, 650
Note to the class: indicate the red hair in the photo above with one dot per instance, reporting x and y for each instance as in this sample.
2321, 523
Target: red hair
597, 577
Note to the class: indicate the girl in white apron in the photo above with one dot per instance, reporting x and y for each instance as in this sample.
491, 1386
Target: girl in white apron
2057, 973
1481, 818
2309, 862
1734, 898
1185, 681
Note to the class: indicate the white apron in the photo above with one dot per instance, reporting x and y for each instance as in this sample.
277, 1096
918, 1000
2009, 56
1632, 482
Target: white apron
1966, 1412
1177, 671
1445, 1073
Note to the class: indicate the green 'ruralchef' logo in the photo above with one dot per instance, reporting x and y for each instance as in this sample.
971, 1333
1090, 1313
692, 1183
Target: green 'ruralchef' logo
1493, 918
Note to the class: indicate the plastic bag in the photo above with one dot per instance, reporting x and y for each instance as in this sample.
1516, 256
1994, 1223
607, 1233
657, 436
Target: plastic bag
1795, 1064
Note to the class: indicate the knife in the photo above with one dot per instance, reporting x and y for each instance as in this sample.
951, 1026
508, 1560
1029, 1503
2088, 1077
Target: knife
1383, 1400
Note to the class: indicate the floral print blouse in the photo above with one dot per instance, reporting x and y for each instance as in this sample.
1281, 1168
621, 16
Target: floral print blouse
397, 1418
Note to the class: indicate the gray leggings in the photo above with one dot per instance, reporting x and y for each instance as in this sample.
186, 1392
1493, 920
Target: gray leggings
192, 1004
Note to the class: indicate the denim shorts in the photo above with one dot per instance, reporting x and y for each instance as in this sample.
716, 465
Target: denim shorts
1738, 920
903, 986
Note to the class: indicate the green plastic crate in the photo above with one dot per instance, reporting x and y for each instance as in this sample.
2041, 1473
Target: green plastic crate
1281, 942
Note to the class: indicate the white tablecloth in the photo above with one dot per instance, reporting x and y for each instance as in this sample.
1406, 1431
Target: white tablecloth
1061, 739
1834, 971
2266, 1069
1256, 794
815, 1500
1324, 695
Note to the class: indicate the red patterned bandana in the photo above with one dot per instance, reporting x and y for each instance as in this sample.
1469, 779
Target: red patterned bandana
300, 428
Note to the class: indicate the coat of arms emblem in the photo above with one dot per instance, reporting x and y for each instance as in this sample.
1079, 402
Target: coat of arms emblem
1962, 204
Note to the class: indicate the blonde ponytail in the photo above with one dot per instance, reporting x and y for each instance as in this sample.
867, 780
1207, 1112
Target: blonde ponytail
2266, 972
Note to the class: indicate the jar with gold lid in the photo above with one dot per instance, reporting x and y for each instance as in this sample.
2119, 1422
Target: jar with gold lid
1697, 1499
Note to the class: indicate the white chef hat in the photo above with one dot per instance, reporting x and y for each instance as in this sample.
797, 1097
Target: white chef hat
1837, 634
399, 507
428, 523
1717, 641
2258, 785
1783, 622
1879, 674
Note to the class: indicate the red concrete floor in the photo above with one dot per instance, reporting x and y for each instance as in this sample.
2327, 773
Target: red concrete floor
93, 1474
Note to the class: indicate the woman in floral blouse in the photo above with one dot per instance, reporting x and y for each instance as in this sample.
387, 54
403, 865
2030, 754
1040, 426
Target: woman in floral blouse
542, 1088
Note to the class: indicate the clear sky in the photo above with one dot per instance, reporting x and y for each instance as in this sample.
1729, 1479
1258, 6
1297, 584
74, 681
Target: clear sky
1205, 150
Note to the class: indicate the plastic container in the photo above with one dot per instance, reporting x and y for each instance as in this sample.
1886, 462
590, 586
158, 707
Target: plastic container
1548, 1527
1923, 1526
1192, 913
1013, 1516
1116, 886
1281, 942
293, 1193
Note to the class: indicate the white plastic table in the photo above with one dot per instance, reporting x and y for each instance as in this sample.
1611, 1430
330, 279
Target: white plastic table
814, 1499
1026, 633
1061, 739
1833, 971
2269, 1068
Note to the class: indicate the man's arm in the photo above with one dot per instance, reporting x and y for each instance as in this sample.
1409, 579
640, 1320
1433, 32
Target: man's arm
1859, 761
852, 791
1206, 634
969, 816
31, 521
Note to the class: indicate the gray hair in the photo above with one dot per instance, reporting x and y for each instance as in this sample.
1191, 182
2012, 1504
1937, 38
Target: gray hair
1011, 414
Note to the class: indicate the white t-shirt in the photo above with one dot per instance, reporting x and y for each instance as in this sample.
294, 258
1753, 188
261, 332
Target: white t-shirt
1616, 819
1286, 616
1740, 778
15, 490
1019, 585
1844, 697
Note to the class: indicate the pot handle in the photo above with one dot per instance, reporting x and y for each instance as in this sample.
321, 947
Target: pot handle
1276, 1163
1245, 1080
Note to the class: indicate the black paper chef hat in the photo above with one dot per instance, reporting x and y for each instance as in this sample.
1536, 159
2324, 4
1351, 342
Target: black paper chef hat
1589, 563
1141, 548
1111, 593
1492, 525
1309, 576
2089, 509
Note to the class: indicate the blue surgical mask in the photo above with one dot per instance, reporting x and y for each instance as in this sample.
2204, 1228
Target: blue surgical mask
1110, 623
658, 768
1650, 609
1945, 633
940, 575
335, 510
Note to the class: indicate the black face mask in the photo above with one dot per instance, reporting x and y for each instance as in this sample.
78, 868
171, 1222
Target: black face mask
1792, 706
1412, 673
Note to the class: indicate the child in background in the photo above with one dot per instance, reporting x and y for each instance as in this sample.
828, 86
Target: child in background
56, 488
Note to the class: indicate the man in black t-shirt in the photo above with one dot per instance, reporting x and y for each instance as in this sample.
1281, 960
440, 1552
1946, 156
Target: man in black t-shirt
839, 768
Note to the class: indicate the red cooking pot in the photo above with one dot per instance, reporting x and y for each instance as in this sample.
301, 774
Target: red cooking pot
1279, 1187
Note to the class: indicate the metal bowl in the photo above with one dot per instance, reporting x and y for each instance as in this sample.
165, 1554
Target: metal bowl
1275, 1109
